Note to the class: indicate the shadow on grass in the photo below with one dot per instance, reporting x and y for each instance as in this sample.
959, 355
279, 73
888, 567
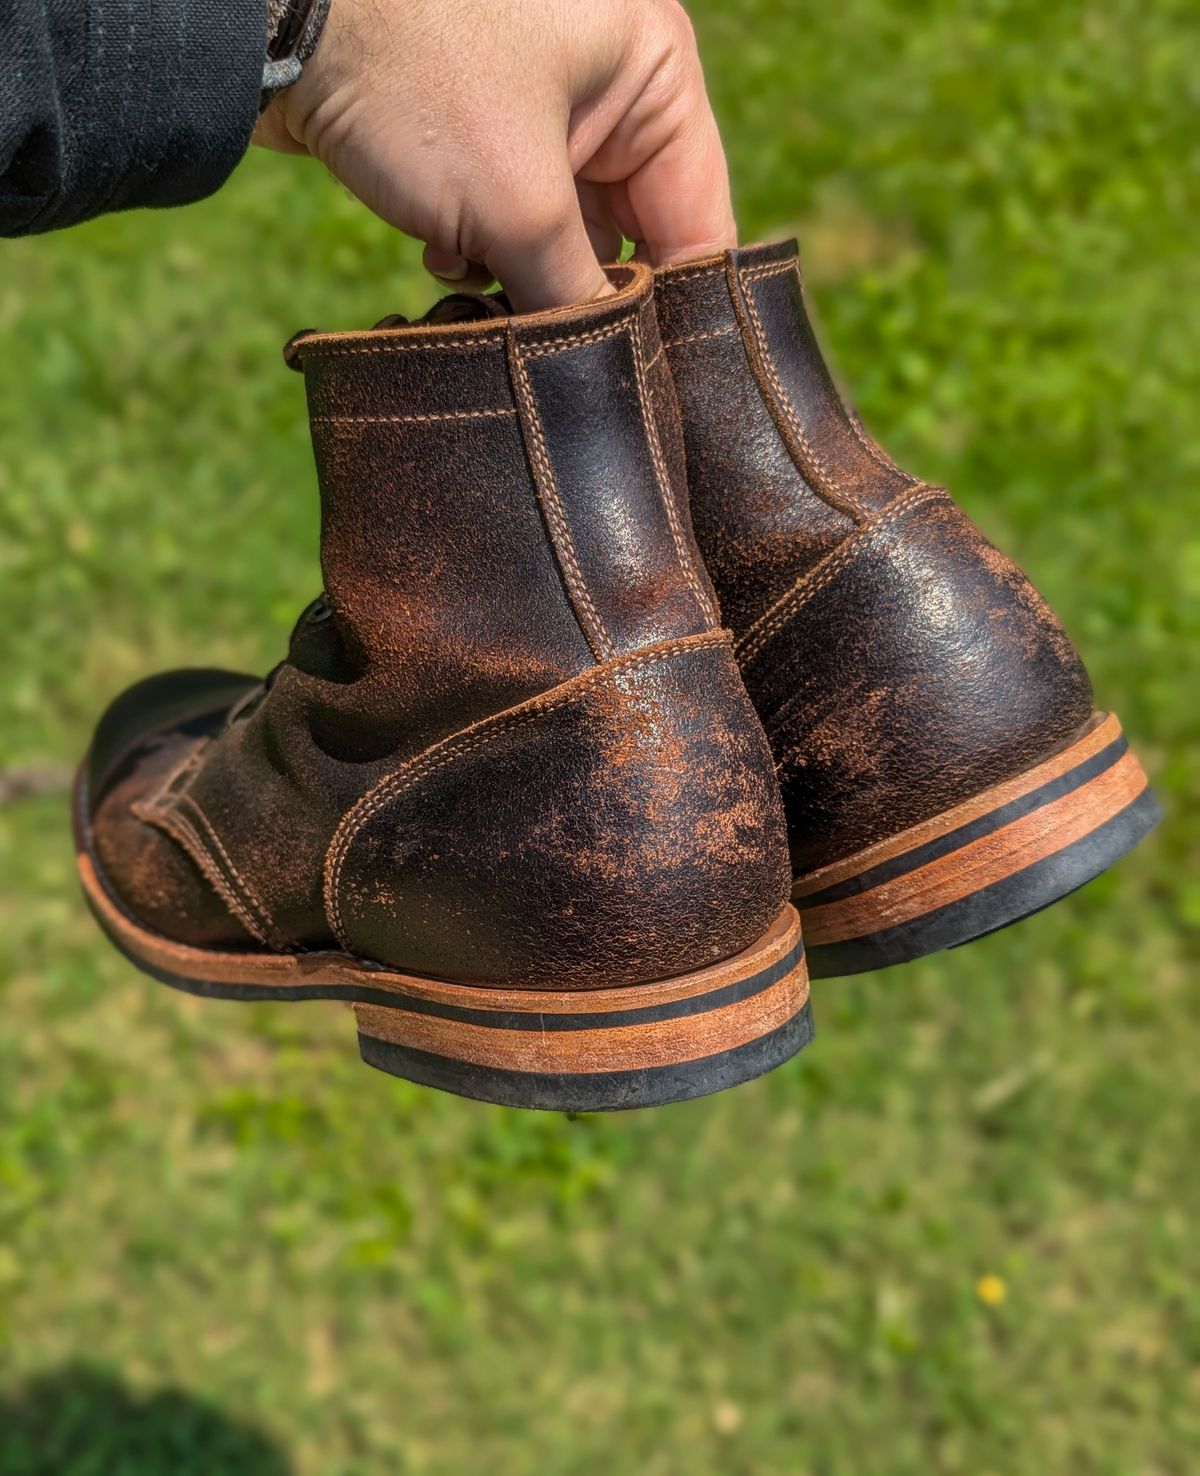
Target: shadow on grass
81, 1422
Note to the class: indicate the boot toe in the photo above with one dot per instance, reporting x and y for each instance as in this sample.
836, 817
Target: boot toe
142, 738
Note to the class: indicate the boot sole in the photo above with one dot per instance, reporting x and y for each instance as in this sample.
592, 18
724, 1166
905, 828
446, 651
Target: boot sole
1009, 852
591, 1050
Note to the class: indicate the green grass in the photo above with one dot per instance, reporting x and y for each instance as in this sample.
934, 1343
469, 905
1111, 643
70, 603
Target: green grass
227, 1248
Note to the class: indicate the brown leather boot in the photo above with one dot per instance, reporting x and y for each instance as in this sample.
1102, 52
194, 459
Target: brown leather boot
506, 793
944, 772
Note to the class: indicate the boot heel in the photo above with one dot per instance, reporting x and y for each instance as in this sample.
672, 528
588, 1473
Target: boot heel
989, 862
601, 1049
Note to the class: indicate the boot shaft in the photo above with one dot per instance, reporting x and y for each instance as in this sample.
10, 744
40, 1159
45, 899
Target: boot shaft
780, 471
503, 505
899, 662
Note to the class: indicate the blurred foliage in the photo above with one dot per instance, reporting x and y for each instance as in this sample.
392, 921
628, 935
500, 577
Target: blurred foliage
956, 1236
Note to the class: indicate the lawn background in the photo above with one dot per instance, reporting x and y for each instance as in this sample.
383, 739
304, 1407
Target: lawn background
958, 1234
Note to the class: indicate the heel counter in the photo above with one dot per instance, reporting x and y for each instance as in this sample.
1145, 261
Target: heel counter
914, 667
623, 827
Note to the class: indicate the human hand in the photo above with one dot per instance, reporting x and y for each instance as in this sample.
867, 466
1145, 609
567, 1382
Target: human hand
520, 139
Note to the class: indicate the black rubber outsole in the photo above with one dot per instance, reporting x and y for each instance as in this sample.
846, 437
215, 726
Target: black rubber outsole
994, 907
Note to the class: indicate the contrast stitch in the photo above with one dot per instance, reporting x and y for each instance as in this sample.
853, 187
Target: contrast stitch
828, 569
699, 337
249, 894
570, 340
457, 346
166, 802
162, 796
874, 452
177, 827
665, 489
560, 532
772, 269
142, 811
849, 502
856, 426
415, 419
669, 278
440, 754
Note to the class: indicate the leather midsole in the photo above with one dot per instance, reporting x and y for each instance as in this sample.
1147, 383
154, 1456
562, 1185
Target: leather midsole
1007, 828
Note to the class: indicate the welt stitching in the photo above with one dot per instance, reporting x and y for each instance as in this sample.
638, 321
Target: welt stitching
665, 489
250, 896
699, 337
594, 335
414, 418
823, 573
831, 484
547, 490
177, 827
449, 749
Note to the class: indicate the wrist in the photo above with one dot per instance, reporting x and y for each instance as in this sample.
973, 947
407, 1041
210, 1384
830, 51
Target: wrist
294, 27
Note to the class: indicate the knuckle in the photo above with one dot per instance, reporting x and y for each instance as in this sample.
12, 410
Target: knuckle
541, 222
514, 228
677, 25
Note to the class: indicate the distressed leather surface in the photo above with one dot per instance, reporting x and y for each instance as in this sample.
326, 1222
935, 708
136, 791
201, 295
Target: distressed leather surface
621, 828
503, 511
900, 663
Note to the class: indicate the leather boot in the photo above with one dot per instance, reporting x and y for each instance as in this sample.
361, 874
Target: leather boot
944, 770
506, 793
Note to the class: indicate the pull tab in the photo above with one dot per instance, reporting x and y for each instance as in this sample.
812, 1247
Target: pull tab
291, 356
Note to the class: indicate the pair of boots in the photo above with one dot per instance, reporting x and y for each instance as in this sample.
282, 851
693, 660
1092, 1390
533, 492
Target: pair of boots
510, 791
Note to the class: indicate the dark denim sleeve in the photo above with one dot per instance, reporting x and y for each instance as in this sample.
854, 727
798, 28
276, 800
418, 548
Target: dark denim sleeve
108, 104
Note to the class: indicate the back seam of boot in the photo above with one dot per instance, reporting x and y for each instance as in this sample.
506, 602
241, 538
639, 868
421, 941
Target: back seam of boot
558, 529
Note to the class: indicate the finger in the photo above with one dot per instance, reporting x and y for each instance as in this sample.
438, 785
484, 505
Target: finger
679, 197
456, 271
604, 233
663, 156
623, 215
542, 255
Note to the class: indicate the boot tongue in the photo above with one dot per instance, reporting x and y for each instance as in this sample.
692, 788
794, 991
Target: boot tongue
459, 307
